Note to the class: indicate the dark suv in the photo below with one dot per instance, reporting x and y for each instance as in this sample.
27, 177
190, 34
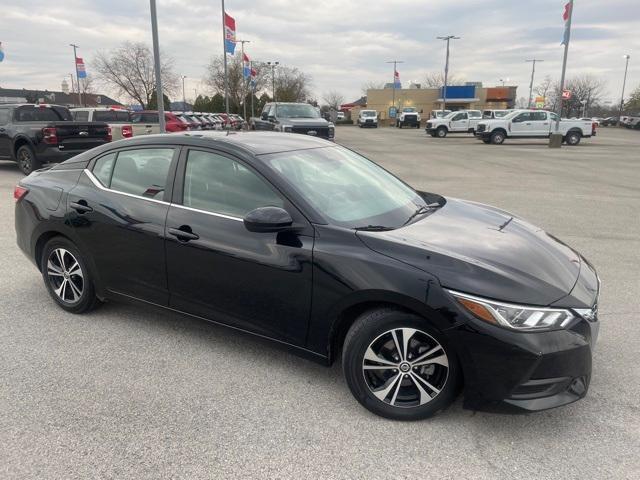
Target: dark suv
36, 134
294, 118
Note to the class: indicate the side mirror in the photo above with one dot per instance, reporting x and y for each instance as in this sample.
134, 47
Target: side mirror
268, 219
264, 116
271, 119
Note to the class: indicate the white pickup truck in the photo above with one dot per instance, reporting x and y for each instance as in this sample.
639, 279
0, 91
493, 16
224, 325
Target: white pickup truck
118, 119
409, 116
462, 121
533, 124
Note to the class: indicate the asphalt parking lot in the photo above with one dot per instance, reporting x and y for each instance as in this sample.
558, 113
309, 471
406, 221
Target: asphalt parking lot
127, 392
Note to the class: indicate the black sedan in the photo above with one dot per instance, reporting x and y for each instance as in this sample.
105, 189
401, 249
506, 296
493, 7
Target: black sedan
310, 244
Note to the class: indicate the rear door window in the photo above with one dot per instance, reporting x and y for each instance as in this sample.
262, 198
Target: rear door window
112, 116
142, 172
36, 113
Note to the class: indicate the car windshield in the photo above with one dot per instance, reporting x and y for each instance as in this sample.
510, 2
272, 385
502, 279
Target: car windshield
409, 110
346, 188
297, 111
500, 113
368, 113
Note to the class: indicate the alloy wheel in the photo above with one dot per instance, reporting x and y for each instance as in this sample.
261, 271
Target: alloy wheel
65, 275
405, 367
24, 159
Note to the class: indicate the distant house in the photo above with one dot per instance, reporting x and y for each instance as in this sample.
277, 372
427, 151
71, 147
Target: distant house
23, 95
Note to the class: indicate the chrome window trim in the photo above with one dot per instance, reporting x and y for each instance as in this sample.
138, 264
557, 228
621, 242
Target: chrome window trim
97, 183
221, 215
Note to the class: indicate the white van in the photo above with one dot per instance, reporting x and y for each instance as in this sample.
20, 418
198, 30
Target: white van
368, 118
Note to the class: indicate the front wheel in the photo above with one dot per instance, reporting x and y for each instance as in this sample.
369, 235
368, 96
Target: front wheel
398, 366
497, 138
67, 277
441, 132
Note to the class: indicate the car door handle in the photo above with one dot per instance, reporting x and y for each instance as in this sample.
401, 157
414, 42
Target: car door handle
184, 233
81, 206
528, 123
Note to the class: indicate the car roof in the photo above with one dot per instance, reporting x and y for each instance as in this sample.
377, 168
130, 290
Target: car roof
255, 142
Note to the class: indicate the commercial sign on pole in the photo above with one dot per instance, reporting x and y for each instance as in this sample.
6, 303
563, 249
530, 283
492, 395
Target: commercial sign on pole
540, 102
566, 94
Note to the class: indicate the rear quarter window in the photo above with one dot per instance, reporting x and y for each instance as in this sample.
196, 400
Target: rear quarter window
35, 113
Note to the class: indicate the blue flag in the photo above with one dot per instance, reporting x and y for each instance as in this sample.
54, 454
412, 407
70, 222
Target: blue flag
1, 52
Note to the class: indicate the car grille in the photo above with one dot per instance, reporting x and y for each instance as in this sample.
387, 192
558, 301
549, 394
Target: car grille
481, 127
410, 118
369, 120
429, 124
322, 132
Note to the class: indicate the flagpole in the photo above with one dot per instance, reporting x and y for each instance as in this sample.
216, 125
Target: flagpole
226, 79
564, 64
253, 88
244, 80
157, 66
75, 63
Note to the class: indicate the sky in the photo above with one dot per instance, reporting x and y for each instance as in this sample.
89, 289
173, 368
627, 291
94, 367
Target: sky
340, 44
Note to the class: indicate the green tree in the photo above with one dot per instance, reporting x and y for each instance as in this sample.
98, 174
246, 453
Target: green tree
633, 104
153, 102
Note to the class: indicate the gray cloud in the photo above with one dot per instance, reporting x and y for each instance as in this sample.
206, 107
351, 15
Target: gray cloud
341, 44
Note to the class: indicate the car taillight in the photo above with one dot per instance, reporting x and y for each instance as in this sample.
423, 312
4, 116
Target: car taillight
19, 192
50, 135
593, 128
127, 131
109, 135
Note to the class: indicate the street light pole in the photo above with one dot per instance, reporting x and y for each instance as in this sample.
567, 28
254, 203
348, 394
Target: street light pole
156, 62
273, 66
184, 98
75, 63
624, 84
395, 69
448, 38
533, 72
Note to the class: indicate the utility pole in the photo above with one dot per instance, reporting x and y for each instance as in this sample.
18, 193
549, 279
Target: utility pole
447, 39
533, 72
624, 84
565, 41
244, 80
395, 69
253, 89
75, 63
73, 88
156, 62
273, 66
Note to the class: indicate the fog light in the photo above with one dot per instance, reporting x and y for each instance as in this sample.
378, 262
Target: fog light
578, 386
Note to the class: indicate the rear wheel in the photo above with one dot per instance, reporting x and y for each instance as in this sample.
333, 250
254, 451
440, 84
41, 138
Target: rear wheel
573, 138
399, 367
67, 277
497, 138
27, 161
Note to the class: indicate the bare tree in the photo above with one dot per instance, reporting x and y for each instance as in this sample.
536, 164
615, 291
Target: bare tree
542, 89
633, 103
238, 84
87, 84
292, 85
333, 99
371, 85
129, 69
436, 80
586, 93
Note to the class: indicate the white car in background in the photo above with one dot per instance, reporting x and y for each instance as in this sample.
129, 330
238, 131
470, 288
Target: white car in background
367, 118
461, 121
409, 116
118, 119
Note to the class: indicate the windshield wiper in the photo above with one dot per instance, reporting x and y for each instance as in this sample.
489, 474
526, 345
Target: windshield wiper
373, 228
422, 209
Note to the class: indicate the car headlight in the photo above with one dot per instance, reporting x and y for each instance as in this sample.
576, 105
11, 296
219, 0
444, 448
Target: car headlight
332, 129
515, 317
283, 128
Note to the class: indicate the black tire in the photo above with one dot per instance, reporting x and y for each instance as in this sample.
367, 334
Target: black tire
398, 396
27, 160
59, 267
573, 138
433, 134
486, 140
497, 138
441, 132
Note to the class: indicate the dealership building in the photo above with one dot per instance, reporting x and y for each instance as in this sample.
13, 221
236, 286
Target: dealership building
471, 96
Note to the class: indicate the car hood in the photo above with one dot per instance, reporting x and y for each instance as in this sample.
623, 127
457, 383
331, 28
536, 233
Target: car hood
485, 251
304, 122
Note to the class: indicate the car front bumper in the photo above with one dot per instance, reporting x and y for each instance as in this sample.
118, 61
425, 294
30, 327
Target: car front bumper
507, 370
482, 135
